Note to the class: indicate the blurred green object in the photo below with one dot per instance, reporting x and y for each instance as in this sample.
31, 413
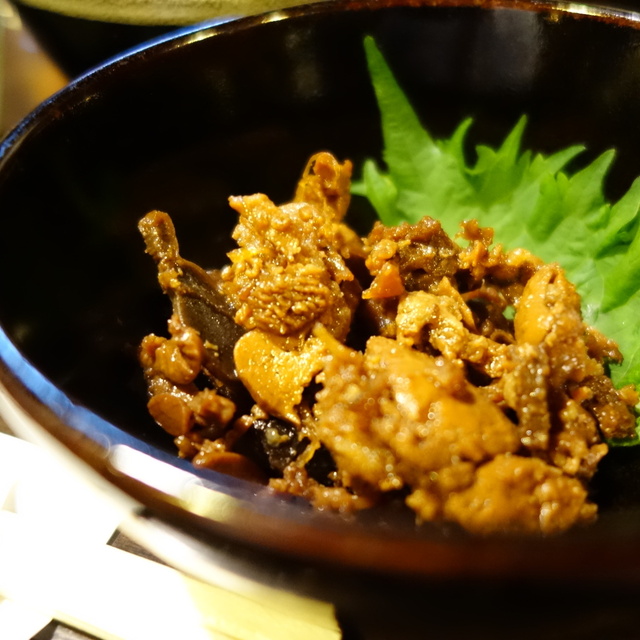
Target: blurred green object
155, 12
80, 34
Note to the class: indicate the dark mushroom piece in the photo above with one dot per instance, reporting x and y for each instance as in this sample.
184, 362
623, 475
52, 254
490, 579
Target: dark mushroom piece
197, 301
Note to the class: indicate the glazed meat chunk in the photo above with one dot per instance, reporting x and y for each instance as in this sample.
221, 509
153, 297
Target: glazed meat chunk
393, 417
513, 494
285, 275
396, 418
548, 314
289, 270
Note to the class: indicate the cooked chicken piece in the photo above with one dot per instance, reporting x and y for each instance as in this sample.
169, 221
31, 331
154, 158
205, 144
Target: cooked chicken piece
327, 184
512, 494
548, 314
345, 410
445, 324
524, 385
612, 408
393, 416
171, 366
277, 370
414, 256
485, 262
575, 445
287, 273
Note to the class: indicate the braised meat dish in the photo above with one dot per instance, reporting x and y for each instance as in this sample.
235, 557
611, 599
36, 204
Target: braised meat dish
445, 372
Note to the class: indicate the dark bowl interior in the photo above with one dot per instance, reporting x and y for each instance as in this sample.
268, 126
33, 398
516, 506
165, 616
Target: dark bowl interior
237, 109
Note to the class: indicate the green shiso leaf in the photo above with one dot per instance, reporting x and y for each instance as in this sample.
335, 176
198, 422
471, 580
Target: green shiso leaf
531, 201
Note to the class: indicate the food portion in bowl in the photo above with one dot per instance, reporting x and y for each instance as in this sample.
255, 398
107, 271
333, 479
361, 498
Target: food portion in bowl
384, 365
445, 371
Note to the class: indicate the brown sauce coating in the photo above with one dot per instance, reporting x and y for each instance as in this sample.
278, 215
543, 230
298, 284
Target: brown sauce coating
446, 372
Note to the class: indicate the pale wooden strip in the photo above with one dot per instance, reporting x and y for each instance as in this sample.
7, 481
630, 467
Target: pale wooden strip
116, 595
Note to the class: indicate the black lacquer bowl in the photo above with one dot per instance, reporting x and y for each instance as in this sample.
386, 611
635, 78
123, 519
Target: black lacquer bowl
237, 108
